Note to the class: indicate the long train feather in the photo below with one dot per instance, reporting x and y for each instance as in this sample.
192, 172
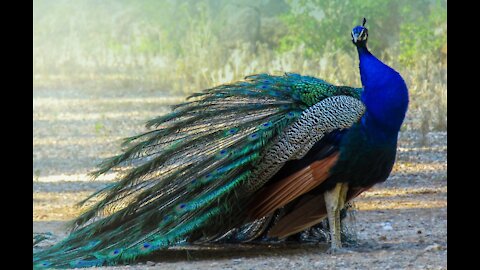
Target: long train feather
179, 179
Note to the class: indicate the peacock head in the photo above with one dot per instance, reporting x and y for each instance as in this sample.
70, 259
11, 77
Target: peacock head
360, 34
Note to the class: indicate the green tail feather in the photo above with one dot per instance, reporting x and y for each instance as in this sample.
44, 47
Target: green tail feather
177, 181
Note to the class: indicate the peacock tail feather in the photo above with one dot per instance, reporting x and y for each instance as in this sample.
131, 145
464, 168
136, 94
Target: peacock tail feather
190, 176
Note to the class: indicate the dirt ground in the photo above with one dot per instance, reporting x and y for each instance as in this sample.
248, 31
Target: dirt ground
400, 224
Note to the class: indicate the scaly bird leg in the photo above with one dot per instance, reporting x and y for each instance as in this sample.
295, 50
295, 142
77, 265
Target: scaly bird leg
335, 201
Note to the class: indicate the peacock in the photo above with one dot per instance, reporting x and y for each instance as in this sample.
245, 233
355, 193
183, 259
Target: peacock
232, 156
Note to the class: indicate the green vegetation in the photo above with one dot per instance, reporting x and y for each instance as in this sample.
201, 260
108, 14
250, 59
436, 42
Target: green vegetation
181, 47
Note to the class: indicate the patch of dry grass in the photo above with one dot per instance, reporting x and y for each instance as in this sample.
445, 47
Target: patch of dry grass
428, 90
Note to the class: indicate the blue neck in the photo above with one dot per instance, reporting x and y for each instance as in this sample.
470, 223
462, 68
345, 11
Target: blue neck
385, 96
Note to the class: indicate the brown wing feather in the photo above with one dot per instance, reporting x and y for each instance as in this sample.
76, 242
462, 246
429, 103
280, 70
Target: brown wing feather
289, 188
302, 217
307, 214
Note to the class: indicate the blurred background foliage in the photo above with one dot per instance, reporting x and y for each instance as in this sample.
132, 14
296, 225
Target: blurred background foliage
181, 47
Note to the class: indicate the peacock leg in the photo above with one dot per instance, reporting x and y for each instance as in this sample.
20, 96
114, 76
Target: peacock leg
335, 201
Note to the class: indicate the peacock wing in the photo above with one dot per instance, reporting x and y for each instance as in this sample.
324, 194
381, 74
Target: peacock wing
333, 113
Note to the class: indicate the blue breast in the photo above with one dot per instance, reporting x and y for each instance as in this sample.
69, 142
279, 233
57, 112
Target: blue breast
385, 96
